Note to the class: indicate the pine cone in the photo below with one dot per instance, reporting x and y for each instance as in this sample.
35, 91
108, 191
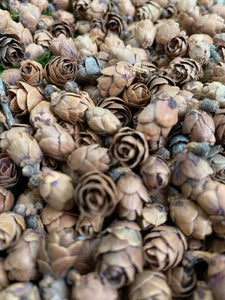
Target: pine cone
63, 46
113, 24
89, 227
155, 173
190, 218
10, 229
150, 11
57, 252
61, 27
176, 46
6, 199
11, 50
51, 288
9, 173
26, 289
31, 72
145, 33
149, 285
216, 91
130, 147
136, 95
153, 214
199, 126
115, 79
131, 194
71, 107
89, 158
42, 115
96, 10
59, 70
23, 98
43, 38
56, 189
164, 247
95, 195
21, 259
55, 141
119, 255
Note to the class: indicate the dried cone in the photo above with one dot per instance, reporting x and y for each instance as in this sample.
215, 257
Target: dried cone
89, 227
145, 34
176, 46
23, 98
63, 46
9, 173
56, 189
190, 218
59, 70
42, 115
11, 50
61, 27
153, 214
57, 252
151, 11
131, 194
96, 9
155, 173
199, 126
85, 46
42, 38
24, 150
115, 79
149, 285
136, 95
20, 290
156, 120
55, 141
102, 121
95, 195
216, 91
10, 229
216, 277
31, 72
6, 199
164, 247
53, 288
21, 259
71, 107
89, 158
119, 255
130, 147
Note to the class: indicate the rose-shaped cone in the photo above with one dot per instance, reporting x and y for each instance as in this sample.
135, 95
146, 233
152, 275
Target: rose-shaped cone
9, 174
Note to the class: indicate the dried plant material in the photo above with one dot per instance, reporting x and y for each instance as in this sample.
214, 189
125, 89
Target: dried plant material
150, 11
153, 214
219, 122
16, 291
218, 225
9, 173
199, 51
55, 141
5, 18
136, 95
43, 38
89, 227
18, 29
113, 24
21, 259
11, 228
190, 218
31, 72
132, 195
119, 254
52, 288
56, 189
209, 24
6, 199
164, 247
145, 34
86, 138
63, 46
115, 79
85, 46
217, 162
29, 15
102, 121
34, 51
96, 9
90, 286
176, 46
23, 98
71, 107
10, 77
166, 29
61, 27
155, 173
89, 158
216, 275
215, 91
199, 126
150, 284
95, 195
42, 115
130, 147
29, 203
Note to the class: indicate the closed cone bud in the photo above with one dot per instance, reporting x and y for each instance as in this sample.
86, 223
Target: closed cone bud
115, 79
136, 95
55, 141
145, 34
155, 173
131, 194
153, 214
90, 286
19, 291
190, 218
21, 259
149, 285
31, 72
95, 195
57, 252
42, 115
56, 189
199, 126
85, 45
71, 107
129, 147
216, 275
89, 227
150, 11
53, 288
119, 256
164, 247
63, 46
11, 227
102, 121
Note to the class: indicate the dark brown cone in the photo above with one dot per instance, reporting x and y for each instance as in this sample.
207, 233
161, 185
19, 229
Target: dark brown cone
9, 173
119, 255
130, 147
149, 285
11, 50
164, 247
21, 259
113, 23
31, 72
136, 95
95, 195
176, 46
131, 194
89, 158
89, 286
60, 27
